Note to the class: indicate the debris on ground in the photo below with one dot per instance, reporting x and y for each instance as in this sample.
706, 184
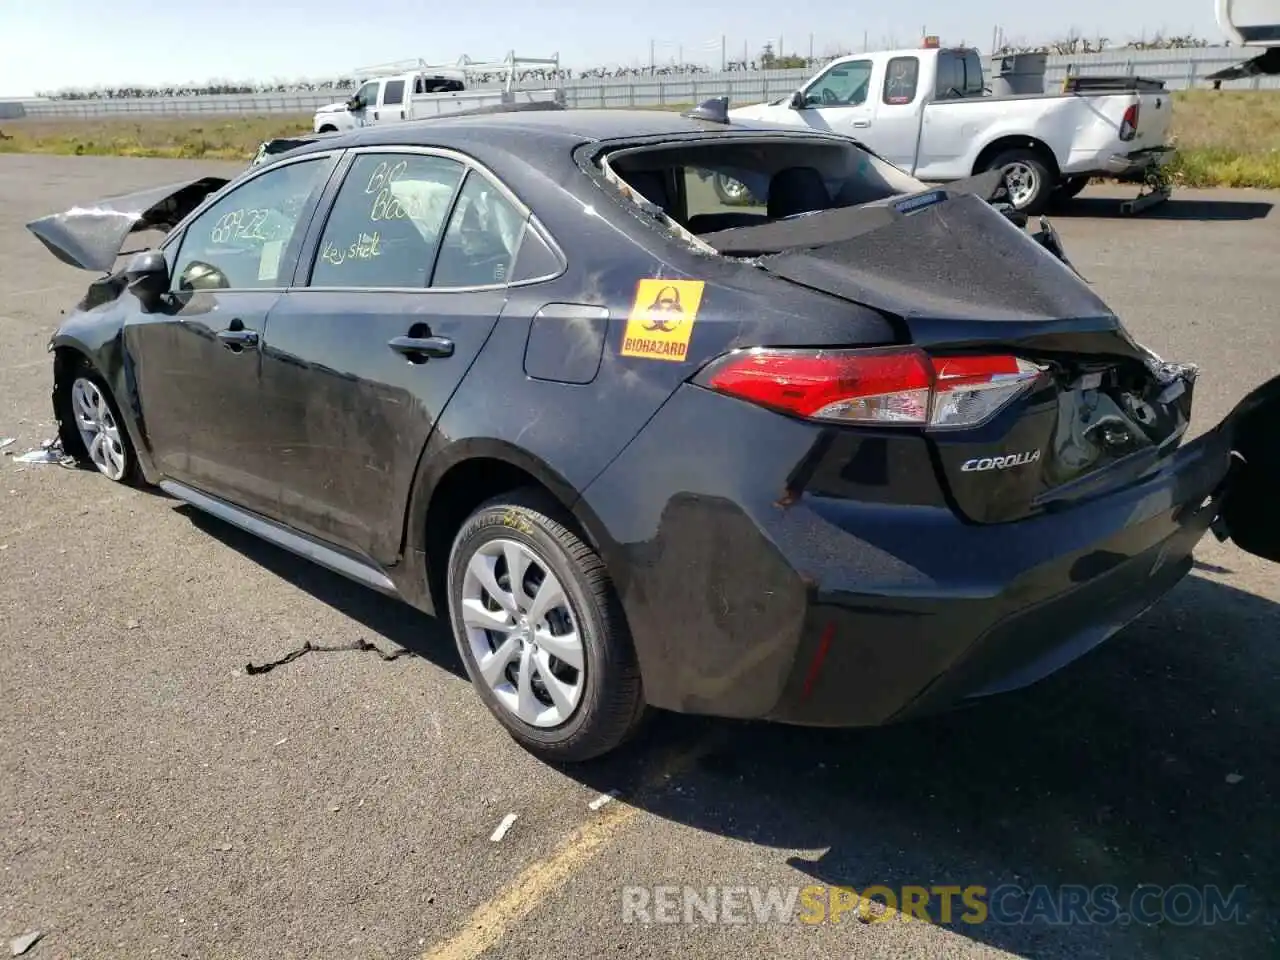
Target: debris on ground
50, 451
1234, 778
309, 647
7, 441
601, 800
20, 945
503, 827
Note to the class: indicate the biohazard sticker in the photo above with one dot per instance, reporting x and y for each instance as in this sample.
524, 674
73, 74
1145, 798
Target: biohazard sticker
662, 318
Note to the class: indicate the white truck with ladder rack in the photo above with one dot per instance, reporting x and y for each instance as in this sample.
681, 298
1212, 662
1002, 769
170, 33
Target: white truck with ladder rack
933, 113
1250, 23
415, 89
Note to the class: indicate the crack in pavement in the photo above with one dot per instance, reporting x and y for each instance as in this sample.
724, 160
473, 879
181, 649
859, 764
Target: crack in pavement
309, 647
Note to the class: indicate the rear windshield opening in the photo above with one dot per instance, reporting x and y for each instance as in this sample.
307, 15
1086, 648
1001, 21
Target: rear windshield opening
709, 186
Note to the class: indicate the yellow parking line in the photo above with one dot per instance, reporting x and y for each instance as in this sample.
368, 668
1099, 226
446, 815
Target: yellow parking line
491, 920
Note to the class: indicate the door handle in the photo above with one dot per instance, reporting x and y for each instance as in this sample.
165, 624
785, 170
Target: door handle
862, 123
236, 340
415, 347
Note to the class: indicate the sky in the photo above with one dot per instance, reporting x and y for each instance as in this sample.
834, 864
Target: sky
55, 44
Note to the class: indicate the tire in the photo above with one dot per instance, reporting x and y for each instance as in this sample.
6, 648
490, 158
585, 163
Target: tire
1031, 166
1072, 187
88, 410
601, 703
1067, 191
731, 192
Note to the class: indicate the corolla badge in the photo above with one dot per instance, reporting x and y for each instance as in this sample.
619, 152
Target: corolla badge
983, 464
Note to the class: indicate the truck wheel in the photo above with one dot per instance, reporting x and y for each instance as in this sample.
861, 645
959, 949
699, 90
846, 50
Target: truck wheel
1067, 191
731, 192
540, 630
1072, 186
1031, 183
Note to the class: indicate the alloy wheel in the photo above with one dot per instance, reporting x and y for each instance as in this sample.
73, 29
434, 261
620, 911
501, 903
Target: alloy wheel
523, 633
98, 429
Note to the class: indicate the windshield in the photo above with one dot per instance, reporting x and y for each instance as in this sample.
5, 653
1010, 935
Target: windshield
706, 186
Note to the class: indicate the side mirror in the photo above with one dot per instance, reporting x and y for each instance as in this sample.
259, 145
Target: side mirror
148, 277
199, 275
355, 103
798, 101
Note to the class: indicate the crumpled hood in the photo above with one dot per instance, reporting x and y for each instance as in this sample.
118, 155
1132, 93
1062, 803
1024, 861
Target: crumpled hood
90, 236
333, 108
954, 270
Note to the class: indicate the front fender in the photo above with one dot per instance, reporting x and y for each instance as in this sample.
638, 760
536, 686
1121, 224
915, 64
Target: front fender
98, 338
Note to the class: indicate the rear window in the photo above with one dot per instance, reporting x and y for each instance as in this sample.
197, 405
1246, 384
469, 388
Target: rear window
959, 74
729, 182
394, 93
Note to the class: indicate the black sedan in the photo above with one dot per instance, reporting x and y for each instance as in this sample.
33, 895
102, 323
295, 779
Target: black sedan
838, 450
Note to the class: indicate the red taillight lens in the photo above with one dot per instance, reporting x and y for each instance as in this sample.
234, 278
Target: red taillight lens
894, 385
1129, 125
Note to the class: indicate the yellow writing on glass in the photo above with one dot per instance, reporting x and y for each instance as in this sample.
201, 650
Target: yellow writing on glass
364, 247
384, 174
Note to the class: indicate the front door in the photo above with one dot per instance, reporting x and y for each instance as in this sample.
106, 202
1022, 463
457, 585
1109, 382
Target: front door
841, 100
406, 281
366, 103
197, 362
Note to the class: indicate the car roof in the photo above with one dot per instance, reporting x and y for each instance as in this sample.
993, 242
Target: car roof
574, 126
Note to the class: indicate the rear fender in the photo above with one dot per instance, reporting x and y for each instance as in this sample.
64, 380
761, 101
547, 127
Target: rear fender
440, 456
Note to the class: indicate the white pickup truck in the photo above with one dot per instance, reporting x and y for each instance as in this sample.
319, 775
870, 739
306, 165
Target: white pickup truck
929, 111
429, 91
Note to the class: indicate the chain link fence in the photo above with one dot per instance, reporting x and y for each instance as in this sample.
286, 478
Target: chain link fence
1179, 69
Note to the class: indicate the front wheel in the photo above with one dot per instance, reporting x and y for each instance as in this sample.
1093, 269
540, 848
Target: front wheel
540, 630
1031, 183
104, 442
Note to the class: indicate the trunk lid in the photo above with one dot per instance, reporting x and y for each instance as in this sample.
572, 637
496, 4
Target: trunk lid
958, 278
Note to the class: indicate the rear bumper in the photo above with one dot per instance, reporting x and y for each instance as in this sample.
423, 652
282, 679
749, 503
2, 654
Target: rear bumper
1123, 166
829, 611
1136, 164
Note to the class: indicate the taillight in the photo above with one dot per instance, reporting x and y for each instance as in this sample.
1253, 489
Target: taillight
890, 385
1129, 125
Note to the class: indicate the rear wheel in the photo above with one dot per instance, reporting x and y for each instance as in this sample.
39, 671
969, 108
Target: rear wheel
1072, 186
540, 630
1031, 183
731, 192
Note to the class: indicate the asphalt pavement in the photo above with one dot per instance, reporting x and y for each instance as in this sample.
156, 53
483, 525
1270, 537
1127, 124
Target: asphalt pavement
158, 799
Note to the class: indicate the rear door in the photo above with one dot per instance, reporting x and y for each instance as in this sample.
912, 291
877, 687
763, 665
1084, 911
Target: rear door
392, 102
896, 126
404, 282
197, 362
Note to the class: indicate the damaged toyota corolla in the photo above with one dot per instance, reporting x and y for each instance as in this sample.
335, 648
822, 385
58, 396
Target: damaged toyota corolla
843, 452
